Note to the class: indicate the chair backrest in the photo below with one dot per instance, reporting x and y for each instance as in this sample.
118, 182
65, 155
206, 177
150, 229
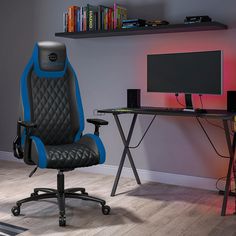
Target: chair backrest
50, 95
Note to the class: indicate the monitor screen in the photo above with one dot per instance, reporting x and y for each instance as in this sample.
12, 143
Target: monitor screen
189, 73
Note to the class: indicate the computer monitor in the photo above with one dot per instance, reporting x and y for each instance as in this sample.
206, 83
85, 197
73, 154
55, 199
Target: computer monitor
188, 73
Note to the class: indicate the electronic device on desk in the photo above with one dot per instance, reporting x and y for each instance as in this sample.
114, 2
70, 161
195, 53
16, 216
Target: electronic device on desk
133, 23
231, 101
196, 19
155, 23
188, 73
133, 98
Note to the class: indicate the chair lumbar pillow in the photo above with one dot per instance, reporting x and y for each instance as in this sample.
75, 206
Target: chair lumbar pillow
51, 123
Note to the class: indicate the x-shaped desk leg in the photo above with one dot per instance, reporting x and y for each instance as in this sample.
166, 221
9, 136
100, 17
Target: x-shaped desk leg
126, 143
231, 167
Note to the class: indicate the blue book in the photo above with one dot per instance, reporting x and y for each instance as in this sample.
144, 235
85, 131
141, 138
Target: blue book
78, 20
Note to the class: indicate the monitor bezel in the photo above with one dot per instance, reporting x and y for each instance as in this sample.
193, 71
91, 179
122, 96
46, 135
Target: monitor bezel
185, 92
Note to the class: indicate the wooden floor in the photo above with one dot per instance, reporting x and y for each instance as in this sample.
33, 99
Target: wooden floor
149, 209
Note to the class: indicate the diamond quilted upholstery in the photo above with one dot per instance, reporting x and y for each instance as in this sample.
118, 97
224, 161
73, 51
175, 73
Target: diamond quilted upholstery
51, 109
70, 156
52, 101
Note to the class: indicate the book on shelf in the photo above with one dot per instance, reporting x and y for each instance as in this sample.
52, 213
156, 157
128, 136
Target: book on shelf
105, 26
81, 19
72, 18
65, 21
84, 19
120, 14
101, 17
108, 18
78, 20
91, 18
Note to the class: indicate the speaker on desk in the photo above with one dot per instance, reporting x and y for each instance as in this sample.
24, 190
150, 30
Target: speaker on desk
133, 98
231, 101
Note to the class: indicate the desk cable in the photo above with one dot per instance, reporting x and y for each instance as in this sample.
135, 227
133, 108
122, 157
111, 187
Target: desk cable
144, 133
231, 193
221, 191
211, 123
209, 139
178, 101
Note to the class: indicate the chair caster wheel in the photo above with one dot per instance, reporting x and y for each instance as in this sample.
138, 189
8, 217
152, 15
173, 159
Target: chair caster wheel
62, 221
15, 210
106, 210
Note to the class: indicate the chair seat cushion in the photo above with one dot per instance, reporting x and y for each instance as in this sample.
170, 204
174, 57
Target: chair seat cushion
87, 151
70, 156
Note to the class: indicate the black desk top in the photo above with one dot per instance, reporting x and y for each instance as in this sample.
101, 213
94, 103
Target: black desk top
209, 113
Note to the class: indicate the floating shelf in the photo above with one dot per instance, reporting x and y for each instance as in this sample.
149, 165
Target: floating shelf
174, 28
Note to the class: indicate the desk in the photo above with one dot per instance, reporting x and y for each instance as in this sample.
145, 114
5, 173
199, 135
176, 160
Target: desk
222, 115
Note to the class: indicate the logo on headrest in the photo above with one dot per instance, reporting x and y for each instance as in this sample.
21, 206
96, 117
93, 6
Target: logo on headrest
52, 56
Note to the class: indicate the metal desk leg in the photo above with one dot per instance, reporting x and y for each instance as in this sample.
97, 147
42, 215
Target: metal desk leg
126, 151
231, 148
234, 171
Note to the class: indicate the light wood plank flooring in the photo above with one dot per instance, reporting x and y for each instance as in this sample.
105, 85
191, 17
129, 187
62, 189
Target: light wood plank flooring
149, 209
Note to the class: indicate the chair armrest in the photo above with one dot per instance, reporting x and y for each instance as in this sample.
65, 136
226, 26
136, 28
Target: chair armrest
17, 148
97, 123
27, 124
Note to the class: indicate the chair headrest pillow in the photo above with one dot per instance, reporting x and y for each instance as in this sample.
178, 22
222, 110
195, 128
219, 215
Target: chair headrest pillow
50, 59
51, 56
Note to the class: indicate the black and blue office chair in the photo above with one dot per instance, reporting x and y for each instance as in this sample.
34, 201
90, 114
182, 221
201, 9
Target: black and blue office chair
51, 123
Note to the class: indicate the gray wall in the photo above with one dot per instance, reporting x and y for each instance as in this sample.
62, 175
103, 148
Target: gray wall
108, 66
16, 41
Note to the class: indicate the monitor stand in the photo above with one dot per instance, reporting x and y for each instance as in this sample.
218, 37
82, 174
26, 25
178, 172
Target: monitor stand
189, 105
188, 102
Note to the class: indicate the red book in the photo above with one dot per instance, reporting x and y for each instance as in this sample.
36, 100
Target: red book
109, 19
72, 18
84, 18
115, 15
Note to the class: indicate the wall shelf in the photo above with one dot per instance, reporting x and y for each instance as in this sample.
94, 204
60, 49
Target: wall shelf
173, 28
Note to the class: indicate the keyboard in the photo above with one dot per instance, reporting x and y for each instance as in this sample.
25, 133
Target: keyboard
174, 109
149, 109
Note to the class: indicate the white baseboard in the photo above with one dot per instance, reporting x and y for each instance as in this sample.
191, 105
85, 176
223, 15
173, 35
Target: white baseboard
155, 176
145, 175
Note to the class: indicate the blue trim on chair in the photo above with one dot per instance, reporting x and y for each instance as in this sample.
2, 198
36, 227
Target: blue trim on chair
46, 74
24, 96
42, 163
77, 136
24, 92
101, 149
79, 102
